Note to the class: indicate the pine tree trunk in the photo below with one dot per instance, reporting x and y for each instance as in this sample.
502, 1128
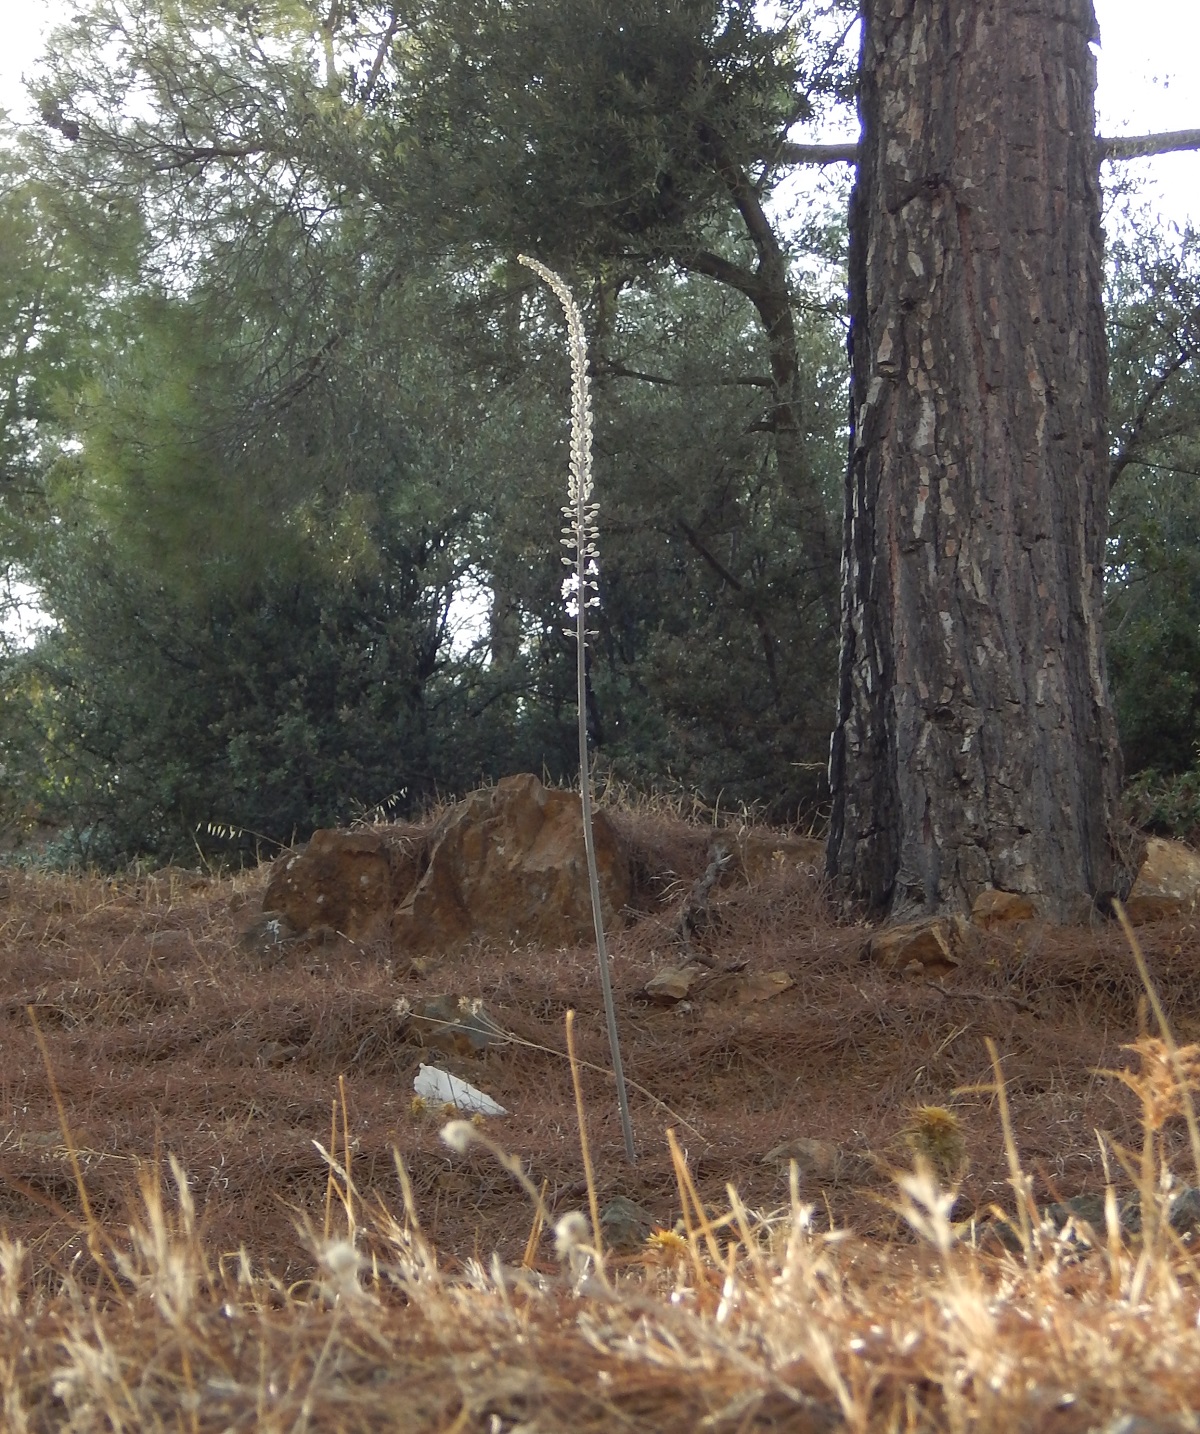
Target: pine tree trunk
975, 744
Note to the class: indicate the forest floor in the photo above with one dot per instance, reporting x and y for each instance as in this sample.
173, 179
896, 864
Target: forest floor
404, 1285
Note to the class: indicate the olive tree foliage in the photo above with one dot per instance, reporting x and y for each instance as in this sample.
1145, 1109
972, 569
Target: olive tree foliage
249, 546
243, 629
333, 401
59, 305
1153, 592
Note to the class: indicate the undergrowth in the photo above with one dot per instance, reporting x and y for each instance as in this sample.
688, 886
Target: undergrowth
733, 1319
221, 1210
1167, 806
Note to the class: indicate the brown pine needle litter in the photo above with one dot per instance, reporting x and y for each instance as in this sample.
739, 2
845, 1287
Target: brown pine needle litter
219, 1211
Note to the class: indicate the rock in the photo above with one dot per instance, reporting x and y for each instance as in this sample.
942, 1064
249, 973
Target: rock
676, 983
455, 1025
762, 853
935, 946
506, 863
1183, 1212
509, 863
672, 983
736, 984
993, 908
761, 986
1087, 1209
343, 882
820, 1162
1168, 883
625, 1225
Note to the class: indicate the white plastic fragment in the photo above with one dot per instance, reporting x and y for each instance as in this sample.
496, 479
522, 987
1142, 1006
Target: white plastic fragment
439, 1087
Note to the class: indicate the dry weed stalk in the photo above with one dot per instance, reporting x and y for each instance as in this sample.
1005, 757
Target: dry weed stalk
1181, 1073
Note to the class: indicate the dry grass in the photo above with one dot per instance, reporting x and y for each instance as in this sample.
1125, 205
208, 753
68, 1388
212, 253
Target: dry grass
270, 1289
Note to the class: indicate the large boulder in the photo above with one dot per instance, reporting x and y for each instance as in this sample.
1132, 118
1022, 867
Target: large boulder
509, 863
343, 882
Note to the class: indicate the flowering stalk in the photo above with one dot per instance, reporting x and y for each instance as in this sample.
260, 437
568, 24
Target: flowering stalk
580, 536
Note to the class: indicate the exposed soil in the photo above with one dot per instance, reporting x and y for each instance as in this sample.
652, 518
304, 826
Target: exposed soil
168, 1032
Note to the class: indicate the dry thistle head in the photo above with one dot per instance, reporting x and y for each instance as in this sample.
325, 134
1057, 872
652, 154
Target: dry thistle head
458, 1135
934, 1135
341, 1263
1157, 1085
571, 1233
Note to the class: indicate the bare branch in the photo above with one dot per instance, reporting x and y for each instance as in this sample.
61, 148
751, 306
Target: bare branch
381, 54
1125, 146
720, 269
1136, 146
181, 156
610, 368
818, 153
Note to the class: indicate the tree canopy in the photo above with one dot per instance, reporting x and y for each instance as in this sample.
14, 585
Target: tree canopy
284, 421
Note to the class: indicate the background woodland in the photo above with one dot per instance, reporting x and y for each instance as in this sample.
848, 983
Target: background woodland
283, 423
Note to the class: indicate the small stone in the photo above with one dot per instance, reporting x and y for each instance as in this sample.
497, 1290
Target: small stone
819, 1161
624, 1224
1168, 883
762, 986
672, 983
993, 908
935, 946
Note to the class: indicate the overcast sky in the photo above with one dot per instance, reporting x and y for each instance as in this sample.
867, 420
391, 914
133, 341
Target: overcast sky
1146, 49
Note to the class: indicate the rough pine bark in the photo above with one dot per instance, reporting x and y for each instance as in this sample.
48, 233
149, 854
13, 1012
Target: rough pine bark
975, 745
